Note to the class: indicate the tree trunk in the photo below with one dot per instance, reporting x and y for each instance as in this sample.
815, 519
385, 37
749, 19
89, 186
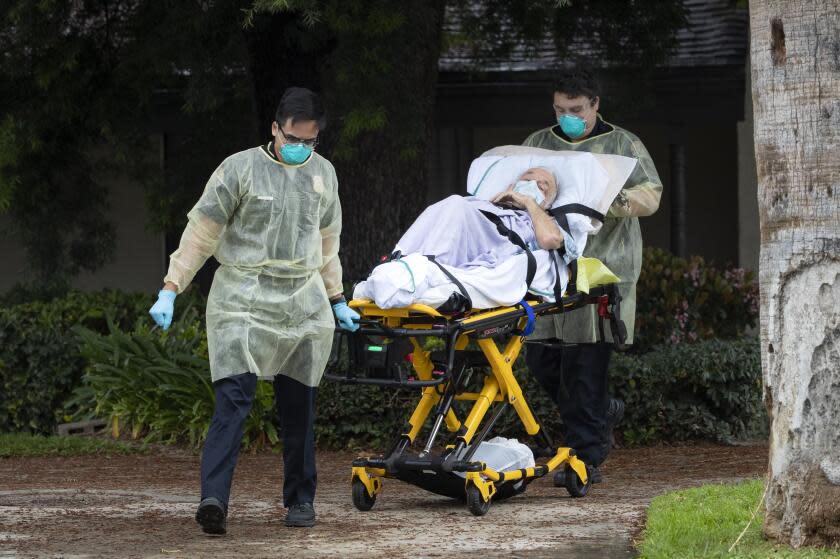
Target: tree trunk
277, 61
795, 51
383, 171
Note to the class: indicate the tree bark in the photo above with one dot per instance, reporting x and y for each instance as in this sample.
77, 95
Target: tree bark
383, 179
795, 53
276, 62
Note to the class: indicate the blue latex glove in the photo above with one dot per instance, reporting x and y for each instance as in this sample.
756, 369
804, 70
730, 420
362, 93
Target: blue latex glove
346, 316
164, 308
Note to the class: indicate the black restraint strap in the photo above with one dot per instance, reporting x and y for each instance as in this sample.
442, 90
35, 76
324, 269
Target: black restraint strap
454, 280
517, 240
555, 256
576, 209
560, 215
571, 289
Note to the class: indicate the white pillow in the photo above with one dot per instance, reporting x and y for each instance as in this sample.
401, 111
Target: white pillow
591, 179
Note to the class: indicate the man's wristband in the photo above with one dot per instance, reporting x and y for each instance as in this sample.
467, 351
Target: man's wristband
338, 299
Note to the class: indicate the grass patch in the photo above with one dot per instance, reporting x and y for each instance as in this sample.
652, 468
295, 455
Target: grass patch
704, 522
23, 445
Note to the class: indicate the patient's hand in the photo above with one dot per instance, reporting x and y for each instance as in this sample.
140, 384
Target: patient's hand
515, 199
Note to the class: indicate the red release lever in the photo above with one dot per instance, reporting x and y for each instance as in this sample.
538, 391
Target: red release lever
603, 306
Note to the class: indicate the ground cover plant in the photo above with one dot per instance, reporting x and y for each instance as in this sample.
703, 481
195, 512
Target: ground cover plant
706, 521
156, 385
26, 445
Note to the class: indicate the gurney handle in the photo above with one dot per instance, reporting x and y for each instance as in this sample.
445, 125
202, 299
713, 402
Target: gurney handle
617, 327
377, 329
388, 382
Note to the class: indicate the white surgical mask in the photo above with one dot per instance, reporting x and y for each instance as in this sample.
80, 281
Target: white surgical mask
530, 188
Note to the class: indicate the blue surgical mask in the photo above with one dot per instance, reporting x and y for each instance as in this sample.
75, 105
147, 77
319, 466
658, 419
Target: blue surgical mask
530, 188
572, 126
295, 154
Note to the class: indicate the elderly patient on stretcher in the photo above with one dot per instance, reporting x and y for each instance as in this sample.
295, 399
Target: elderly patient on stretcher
458, 232
465, 252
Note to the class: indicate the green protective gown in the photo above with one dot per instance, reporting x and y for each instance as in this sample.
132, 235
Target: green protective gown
274, 228
619, 242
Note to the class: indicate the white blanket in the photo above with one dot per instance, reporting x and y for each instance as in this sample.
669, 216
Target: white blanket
582, 178
413, 279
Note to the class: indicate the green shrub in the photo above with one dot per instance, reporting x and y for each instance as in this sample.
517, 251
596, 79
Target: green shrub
708, 390
686, 300
39, 359
353, 416
156, 385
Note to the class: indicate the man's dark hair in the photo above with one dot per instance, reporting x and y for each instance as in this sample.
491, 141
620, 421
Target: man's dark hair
299, 103
574, 82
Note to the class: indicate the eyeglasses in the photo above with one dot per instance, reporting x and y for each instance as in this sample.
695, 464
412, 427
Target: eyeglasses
310, 143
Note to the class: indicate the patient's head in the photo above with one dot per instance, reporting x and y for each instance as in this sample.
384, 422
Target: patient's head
545, 182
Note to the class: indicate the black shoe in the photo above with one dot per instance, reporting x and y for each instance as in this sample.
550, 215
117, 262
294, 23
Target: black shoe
302, 515
593, 476
212, 516
542, 451
615, 412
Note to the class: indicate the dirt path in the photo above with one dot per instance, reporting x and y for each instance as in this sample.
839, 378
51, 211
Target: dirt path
143, 506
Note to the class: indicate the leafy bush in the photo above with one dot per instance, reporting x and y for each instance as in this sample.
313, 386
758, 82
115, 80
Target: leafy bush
681, 300
39, 359
708, 390
156, 385
353, 416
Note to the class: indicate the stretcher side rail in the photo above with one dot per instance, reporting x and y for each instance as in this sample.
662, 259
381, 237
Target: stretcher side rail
498, 322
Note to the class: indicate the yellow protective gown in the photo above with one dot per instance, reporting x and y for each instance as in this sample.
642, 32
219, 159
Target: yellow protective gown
274, 228
619, 242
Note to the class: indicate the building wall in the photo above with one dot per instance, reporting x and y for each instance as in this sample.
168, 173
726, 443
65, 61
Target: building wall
141, 256
712, 172
138, 260
749, 239
14, 257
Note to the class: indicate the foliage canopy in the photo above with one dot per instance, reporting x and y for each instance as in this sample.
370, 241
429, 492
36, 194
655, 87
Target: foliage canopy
88, 87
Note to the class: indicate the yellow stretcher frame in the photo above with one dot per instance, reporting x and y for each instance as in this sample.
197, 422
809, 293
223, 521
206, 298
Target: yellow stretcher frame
500, 386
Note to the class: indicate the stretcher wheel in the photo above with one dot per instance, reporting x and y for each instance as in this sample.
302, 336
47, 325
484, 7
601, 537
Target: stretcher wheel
361, 499
569, 479
475, 502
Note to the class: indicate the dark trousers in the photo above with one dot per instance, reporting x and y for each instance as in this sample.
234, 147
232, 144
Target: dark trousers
576, 379
296, 411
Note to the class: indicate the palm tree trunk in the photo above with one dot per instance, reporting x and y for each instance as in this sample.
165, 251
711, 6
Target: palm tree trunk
795, 53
